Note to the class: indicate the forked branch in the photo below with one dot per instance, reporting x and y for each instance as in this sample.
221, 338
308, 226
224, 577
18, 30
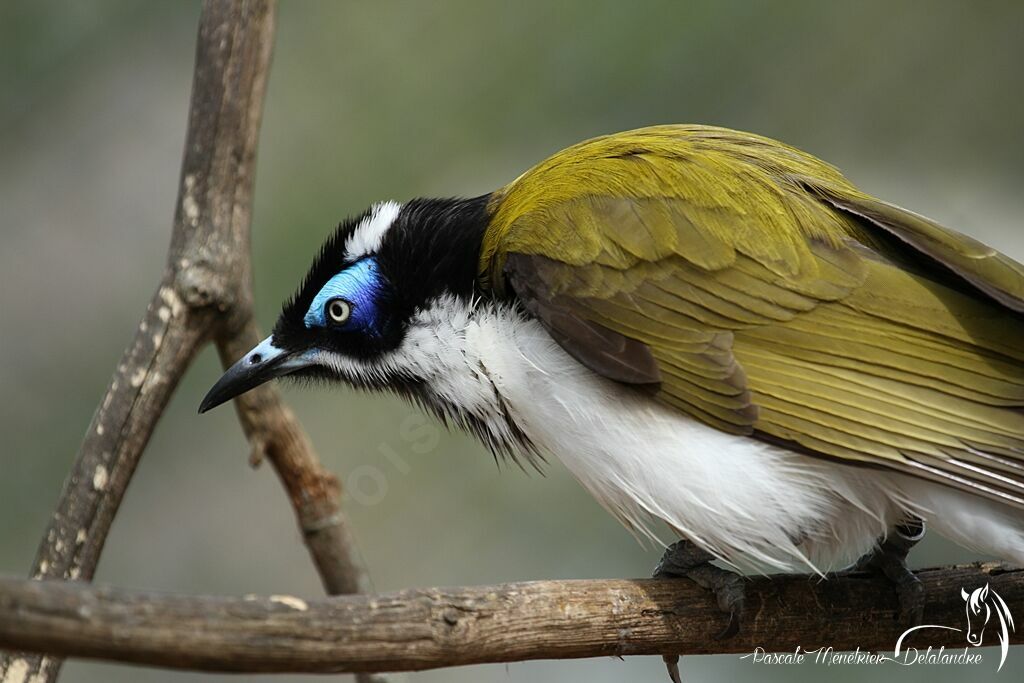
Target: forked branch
203, 295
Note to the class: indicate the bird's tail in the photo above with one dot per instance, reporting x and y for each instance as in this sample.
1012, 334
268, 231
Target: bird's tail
980, 524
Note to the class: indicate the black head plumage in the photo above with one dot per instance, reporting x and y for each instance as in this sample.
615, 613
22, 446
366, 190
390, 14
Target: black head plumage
431, 249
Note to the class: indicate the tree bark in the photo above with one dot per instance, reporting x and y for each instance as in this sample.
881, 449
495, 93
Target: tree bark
423, 629
204, 294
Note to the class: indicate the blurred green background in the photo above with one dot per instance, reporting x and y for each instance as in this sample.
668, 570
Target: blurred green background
919, 102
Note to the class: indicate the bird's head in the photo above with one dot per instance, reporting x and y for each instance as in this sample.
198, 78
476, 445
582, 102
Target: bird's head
371, 284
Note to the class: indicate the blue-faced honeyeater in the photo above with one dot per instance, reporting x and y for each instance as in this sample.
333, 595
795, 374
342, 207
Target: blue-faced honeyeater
717, 334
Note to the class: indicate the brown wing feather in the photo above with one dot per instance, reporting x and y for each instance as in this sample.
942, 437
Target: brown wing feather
604, 351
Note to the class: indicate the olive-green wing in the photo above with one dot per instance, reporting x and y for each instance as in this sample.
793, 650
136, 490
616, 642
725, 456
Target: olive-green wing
751, 287
994, 274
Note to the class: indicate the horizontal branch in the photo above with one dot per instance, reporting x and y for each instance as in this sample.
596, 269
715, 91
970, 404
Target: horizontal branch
422, 629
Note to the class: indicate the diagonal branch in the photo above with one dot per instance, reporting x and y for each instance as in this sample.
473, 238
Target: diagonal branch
314, 492
423, 629
204, 294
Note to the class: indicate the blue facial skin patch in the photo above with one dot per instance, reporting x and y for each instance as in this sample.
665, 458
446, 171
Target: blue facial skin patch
359, 285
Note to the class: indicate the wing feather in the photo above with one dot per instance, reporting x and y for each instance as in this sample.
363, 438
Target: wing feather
995, 274
751, 287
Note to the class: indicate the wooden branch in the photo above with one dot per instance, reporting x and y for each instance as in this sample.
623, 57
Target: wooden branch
276, 435
423, 629
205, 293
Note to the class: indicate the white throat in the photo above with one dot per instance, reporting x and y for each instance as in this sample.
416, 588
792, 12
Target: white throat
446, 359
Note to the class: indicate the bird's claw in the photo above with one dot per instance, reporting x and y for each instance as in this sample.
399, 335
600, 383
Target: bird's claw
672, 664
911, 596
729, 590
890, 560
684, 559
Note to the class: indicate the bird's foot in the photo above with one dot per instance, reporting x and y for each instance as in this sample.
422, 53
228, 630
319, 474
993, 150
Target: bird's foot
685, 559
889, 559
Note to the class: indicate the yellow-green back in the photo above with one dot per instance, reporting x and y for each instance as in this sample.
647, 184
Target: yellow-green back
767, 296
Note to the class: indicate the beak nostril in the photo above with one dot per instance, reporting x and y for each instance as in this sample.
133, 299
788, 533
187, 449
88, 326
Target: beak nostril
255, 358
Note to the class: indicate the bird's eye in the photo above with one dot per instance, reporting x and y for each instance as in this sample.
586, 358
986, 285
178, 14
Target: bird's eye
338, 311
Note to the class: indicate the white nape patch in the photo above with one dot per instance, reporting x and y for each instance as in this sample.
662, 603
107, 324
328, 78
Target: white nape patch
757, 506
367, 236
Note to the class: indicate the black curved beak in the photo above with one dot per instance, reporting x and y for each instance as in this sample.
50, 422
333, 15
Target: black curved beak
262, 364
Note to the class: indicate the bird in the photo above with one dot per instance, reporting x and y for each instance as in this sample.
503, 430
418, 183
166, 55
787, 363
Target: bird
720, 337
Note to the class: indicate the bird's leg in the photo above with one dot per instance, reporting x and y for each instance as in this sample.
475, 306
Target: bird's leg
686, 559
889, 558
